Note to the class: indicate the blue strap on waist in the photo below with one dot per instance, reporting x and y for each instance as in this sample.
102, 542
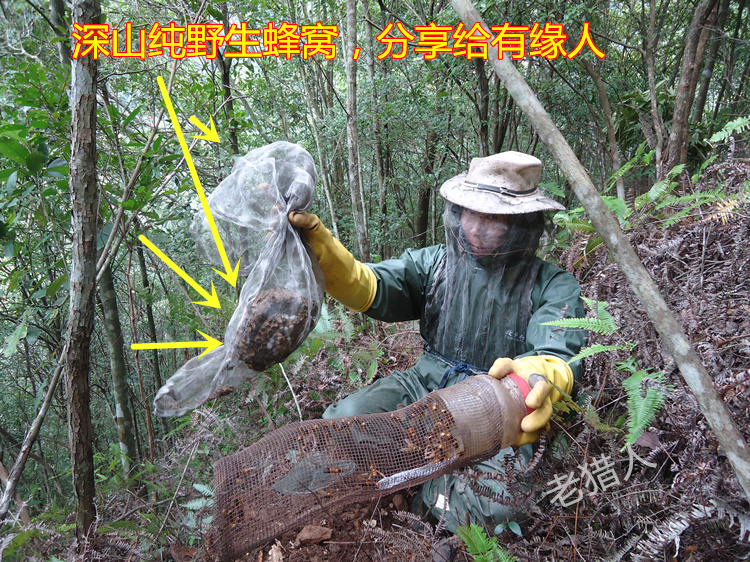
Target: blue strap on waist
455, 366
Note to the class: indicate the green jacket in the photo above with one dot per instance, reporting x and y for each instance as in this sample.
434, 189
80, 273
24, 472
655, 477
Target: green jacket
405, 282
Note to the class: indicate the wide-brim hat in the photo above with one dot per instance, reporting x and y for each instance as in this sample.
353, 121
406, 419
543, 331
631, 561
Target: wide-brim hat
506, 183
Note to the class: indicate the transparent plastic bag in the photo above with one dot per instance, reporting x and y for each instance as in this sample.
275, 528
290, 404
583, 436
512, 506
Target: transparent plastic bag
281, 298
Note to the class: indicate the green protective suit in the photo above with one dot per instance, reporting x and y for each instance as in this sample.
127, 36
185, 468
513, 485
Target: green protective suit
405, 291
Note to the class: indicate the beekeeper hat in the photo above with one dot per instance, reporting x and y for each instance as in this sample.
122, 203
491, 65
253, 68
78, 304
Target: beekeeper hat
502, 184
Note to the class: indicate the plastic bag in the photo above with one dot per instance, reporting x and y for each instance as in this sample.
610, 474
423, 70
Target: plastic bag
281, 298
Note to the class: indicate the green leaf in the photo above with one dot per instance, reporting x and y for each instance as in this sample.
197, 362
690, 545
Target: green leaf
129, 118
39, 293
14, 131
56, 284
371, 371
515, 528
57, 163
10, 185
11, 148
11, 342
9, 250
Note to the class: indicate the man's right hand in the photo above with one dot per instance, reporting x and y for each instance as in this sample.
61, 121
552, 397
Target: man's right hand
349, 281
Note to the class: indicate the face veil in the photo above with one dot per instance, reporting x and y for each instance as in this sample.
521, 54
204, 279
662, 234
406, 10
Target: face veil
479, 306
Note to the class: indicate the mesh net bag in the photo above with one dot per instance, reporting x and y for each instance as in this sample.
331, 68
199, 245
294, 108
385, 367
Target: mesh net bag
298, 471
281, 298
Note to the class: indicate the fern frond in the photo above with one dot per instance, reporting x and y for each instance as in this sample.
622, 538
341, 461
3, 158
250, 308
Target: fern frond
701, 198
551, 188
642, 407
598, 348
724, 210
568, 222
593, 419
664, 532
482, 547
591, 324
726, 512
737, 125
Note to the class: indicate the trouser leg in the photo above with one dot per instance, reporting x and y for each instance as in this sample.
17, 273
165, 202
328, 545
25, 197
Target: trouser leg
385, 395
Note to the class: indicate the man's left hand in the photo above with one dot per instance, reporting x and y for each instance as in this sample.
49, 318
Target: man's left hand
538, 372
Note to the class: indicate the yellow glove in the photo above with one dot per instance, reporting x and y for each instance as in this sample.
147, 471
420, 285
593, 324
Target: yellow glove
536, 371
348, 281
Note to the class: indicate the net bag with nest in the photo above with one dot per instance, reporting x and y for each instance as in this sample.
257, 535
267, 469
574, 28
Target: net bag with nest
281, 298
304, 468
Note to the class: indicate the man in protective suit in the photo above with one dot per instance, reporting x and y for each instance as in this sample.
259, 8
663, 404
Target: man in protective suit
480, 301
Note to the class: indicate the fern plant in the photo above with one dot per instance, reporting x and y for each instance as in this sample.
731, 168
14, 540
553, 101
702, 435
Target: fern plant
482, 547
646, 391
646, 394
735, 126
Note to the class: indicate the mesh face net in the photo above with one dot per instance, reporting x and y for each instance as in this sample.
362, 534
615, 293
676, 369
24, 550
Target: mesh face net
483, 296
297, 471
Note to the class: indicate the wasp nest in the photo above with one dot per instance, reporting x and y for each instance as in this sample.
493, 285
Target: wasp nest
275, 325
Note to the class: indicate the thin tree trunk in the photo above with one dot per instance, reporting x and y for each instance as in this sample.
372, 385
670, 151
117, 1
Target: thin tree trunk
149, 314
498, 114
676, 152
379, 166
483, 107
144, 398
57, 17
225, 66
686, 358
425, 189
23, 511
728, 67
314, 117
84, 203
352, 136
656, 121
614, 152
28, 441
708, 71
113, 333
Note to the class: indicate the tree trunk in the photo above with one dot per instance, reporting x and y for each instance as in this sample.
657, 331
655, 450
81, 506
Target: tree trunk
656, 121
686, 358
483, 107
113, 333
352, 136
379, 166
225, 66
708, 71
425, 190
57, 17
676, 152
315, 116
84, 202
729, 67
614, 152
149, 313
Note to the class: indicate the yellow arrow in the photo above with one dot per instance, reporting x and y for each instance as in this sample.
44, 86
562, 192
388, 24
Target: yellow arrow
211, 300
209, 134
210, 344
229, 274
